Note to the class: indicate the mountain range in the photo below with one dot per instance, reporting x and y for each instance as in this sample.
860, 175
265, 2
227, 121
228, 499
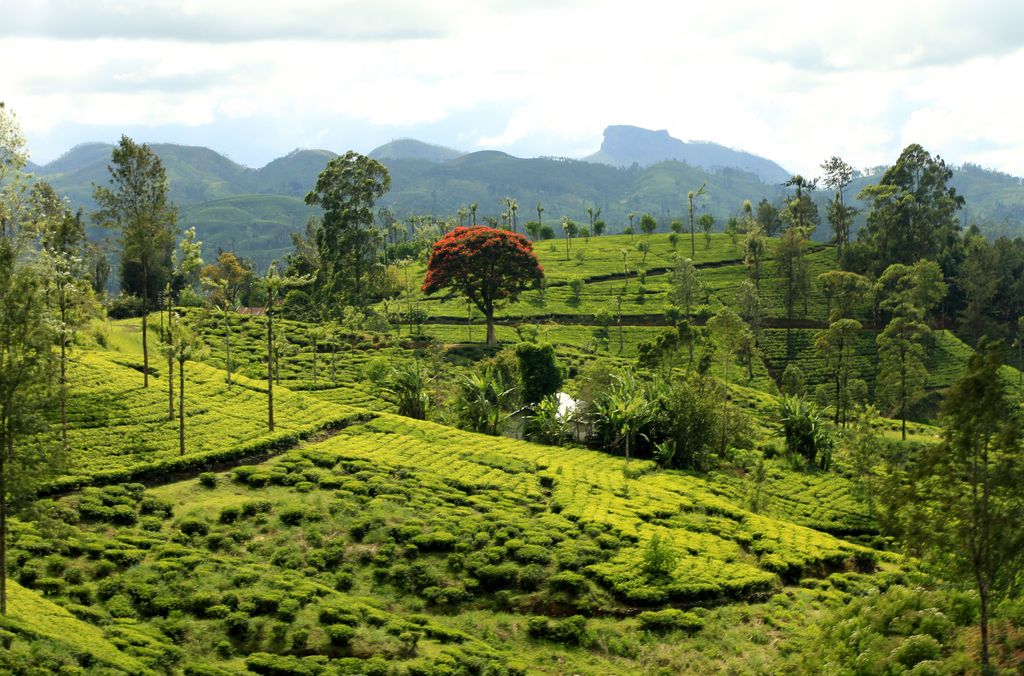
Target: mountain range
254, 211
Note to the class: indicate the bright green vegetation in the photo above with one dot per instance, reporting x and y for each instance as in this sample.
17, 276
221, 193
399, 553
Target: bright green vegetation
722, 494
398, 545
54, 636
119, 430
404, 543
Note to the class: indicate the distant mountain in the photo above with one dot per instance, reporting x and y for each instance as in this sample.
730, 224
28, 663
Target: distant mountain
294, 174
78, 157
254, 211
624, 145
411, 149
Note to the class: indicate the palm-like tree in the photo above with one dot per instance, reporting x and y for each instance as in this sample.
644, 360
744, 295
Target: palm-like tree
482, 400
626, 408
409, 384
546, 425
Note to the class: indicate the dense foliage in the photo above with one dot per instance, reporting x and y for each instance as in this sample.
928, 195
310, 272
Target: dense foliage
489, 267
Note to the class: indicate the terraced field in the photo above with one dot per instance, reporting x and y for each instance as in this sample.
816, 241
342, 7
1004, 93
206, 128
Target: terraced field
399, 543
119, 430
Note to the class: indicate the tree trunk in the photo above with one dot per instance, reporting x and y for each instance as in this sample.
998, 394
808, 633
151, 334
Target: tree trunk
170, 367
838, 400
227, 344
983, 626
4, 434
145, 325
63, 372
181, 407
491, 337
693, 245
270, 369
903, 402
725, 411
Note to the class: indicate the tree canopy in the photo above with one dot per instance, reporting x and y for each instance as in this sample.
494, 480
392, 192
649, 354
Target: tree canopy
912, 213
346, 190
486, 265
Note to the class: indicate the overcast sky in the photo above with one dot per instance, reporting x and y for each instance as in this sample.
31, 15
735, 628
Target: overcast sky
795, 82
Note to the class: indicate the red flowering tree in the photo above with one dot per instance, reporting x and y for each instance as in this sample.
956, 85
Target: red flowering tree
489, 267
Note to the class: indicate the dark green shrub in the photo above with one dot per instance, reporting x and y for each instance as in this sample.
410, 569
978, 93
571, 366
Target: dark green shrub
208, 480
437, 541
300, 638
237, 624
569, 581
570, 631
123, 515
50, 585
336, 615
339, 635
532, 554
497, 576
531, 577
343, 580
284, 665
205, 670
539, 375
670, 619
446, 595
155, 506
254, 507
193, 527
292, 515
917, 648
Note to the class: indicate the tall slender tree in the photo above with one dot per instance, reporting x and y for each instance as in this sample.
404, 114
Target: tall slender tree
225, 281
274, 284
792, 266
836, 345
801, 211
902, 373
186, 346
690, 197
754, 246
137, 203
838, 175
968, 495
63, 241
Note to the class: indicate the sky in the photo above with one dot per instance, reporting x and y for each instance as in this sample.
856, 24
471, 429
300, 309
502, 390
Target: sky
795, 82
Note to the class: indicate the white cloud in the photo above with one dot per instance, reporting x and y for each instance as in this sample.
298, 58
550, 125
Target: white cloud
795, 84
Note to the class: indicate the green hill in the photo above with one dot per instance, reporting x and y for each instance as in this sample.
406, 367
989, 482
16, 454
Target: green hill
226, 201
411, 149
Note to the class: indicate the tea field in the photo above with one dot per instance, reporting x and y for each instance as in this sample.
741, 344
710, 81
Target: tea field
351, 540
401, 546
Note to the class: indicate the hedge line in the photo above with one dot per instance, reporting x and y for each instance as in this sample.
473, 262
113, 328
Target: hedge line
197, 462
